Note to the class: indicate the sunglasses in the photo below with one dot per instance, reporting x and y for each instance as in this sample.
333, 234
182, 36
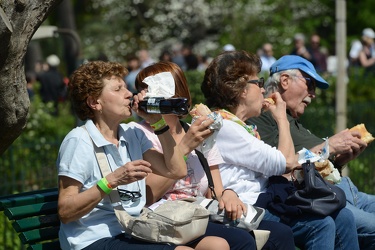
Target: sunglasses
309, 82
259, 82
126, 195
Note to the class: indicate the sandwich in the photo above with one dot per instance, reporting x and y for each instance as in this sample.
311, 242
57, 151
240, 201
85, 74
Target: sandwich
200, 110
365, 135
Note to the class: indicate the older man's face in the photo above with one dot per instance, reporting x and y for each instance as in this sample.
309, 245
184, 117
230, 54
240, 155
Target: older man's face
299, 93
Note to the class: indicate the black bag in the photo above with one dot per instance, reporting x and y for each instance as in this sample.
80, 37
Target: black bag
316, 196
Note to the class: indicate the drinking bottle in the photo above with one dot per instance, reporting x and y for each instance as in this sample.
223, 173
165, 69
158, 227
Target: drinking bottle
161, 105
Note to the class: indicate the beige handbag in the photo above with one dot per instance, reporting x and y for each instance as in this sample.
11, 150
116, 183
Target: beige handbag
176, 222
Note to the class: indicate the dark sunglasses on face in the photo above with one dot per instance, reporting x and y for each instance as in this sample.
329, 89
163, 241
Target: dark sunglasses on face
309, 82
259, 82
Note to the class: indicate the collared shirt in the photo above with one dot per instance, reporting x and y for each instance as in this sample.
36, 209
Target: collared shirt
269, 132
77, 160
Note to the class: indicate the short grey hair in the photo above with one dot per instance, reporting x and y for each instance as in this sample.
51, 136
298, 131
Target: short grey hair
272, 84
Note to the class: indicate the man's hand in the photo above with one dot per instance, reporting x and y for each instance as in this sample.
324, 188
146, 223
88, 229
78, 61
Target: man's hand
345, 142
346, 145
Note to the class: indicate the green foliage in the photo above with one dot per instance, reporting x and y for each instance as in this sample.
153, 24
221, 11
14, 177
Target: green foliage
30, 162
8, 238
194, 79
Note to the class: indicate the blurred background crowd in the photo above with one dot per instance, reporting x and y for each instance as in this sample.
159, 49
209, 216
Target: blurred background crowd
189, 33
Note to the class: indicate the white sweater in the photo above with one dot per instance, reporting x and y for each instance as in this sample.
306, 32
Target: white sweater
248, 161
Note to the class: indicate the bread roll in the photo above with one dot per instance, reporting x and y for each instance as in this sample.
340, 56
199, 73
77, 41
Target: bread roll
365, 135
200, 110
323, 168
269, 100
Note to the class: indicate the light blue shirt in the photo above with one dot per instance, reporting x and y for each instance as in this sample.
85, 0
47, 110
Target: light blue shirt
77, 160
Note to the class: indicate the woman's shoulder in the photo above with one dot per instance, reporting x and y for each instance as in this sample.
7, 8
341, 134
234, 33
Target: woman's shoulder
78, 133
137, 128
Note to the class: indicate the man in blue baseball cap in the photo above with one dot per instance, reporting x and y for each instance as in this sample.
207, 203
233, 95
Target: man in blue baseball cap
296, 79
297, 62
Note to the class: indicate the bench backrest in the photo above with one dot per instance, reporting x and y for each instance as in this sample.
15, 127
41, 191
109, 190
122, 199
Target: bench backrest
34, 217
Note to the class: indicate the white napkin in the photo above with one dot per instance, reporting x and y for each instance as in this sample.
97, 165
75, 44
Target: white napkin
160, 85
305, 154
207, 144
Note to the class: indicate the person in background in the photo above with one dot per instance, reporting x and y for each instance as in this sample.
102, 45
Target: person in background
177, 56
204, 61
295, 79
367, 54
267, 58
88, 221
145, 58
190, 58
30, 80
356, 48
232, 87
357, 45
165, 56
300, 49
134, 66
52, 84
195, 182
318, 54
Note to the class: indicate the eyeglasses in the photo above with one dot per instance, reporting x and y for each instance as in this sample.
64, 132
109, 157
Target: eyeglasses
126, 195
259, 82
310, 83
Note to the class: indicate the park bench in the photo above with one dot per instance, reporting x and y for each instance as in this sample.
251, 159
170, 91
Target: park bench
34, 217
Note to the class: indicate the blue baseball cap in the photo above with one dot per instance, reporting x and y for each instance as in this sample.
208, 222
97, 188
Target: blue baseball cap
297, 62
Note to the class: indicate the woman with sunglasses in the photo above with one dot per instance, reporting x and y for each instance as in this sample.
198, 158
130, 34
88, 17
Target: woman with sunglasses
100, 98
195, 182
231, 86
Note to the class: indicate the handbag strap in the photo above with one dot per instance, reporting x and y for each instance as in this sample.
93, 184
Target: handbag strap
114, 196
204, 163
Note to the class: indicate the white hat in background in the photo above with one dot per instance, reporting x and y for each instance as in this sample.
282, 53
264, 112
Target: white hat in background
368, 32
53, 60
229, 47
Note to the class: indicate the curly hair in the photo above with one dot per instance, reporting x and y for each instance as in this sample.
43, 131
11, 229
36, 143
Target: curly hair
181, 86
227, 76
87, 81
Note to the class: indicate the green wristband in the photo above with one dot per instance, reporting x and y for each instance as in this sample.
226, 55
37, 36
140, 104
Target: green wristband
104, 185
159, 124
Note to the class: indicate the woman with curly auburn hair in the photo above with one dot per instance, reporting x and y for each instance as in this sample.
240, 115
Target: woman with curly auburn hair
100, 97
232, 87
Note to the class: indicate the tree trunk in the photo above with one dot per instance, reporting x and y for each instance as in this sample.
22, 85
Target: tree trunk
19, 19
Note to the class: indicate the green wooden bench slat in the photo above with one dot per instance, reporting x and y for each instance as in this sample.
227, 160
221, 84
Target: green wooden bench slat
36, 222
37, 235
34, 216
54, 245
27, 198
15, 213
